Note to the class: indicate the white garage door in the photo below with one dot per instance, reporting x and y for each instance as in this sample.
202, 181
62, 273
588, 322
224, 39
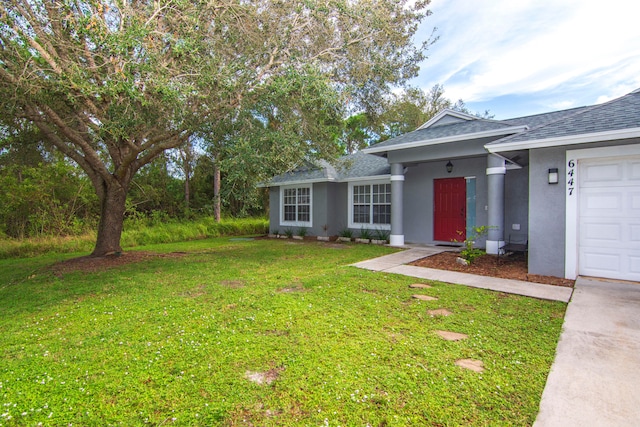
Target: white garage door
609, 211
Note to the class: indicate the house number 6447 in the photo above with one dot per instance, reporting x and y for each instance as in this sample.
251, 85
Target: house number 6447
571, 172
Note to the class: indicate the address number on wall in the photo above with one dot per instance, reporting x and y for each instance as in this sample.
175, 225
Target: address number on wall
571, 176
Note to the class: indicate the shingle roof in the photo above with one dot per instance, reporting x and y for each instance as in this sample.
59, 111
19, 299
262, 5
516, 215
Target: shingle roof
537, 120
356, 165
619, 114
444, 131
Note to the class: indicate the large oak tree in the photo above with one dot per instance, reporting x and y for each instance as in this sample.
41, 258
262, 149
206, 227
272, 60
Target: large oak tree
112, 84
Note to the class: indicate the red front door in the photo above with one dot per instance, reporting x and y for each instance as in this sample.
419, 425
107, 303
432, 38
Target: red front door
449, 209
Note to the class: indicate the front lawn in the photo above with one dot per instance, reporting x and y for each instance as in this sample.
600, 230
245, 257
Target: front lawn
230, 332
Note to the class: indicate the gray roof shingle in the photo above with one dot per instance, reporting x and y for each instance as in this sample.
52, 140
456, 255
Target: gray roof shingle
357, 165
618, 114
444, 131
621, 113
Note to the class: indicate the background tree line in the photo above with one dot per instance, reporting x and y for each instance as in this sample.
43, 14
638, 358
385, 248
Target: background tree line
43, 193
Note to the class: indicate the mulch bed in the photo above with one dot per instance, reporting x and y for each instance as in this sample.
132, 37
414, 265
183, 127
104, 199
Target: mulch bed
89, 264
510, 267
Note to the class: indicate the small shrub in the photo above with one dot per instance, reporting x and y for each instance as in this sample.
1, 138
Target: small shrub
365, 233
302, 231
382, 234
288, 232
470, 253
346, 233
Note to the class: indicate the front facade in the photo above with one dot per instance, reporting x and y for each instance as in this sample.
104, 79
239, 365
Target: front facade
567, 183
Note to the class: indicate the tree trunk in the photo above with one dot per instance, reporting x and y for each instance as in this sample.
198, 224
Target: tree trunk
187, 194
111, 220
216, 192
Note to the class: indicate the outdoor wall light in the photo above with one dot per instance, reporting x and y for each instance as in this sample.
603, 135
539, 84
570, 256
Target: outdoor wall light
450, 167
553, 176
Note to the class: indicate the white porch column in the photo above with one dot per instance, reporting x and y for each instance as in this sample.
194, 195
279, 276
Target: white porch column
397, 183
496, 169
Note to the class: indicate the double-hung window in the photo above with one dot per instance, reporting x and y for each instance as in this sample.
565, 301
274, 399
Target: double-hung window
370, 205
296, 206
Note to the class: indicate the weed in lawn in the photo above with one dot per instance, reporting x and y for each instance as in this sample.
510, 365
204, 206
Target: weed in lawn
164, 342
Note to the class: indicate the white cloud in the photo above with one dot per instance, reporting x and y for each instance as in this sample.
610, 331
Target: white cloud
502, 47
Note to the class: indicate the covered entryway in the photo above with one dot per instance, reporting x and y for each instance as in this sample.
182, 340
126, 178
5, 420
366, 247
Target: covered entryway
609, 217
449, 209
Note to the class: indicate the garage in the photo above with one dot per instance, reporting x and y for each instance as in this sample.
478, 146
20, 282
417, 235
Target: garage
609, 218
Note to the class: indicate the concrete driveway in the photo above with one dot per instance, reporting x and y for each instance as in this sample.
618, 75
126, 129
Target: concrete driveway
595, 377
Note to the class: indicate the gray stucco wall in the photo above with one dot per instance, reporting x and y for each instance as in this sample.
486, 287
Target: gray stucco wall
329, 208
516, 205
444, 152
418, 195
546, 213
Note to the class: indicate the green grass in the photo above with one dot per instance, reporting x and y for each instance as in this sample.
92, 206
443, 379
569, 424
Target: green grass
169, 341
136, 233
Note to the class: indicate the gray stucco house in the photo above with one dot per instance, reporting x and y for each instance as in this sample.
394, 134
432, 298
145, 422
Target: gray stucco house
566, 182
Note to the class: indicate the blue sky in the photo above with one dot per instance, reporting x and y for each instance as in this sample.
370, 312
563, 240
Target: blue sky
521, 57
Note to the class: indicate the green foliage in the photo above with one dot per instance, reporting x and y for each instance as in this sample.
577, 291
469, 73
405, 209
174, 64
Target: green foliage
408, 110
365, 233
138, 231
346, 233
45, 199
114, 86
302, 231
170, 341
288, 232
470, 252
382, 234
357, 134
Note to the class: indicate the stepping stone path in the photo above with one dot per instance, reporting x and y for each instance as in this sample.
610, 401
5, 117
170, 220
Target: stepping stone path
440, 312
424, 297
452, 336
471, 364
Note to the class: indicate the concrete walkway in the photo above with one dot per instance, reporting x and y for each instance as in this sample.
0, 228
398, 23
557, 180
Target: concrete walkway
395, 263
595, 377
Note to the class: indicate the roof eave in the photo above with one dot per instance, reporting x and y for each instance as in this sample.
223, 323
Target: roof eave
584, 138
426, 142
367, 178
294, 182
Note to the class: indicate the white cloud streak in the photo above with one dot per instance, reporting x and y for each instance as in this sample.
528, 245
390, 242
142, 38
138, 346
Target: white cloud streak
492, 48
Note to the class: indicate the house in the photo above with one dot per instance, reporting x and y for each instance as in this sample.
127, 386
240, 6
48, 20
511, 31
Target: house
565, 182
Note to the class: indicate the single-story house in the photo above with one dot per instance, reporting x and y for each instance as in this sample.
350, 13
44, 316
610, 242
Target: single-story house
567, 183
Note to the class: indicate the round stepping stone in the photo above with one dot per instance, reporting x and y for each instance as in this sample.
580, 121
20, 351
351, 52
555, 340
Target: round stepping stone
471, 364
440, 312
452, 336
424, 297
420, 286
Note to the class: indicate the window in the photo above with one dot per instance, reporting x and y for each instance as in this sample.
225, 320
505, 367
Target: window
296, 206
370, 204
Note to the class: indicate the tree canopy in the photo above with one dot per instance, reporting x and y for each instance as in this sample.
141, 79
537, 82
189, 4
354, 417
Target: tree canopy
112, 84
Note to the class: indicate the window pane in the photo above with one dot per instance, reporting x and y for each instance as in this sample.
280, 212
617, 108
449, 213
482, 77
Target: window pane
289, 213
361, 214
304, 196
304, 213
382, 214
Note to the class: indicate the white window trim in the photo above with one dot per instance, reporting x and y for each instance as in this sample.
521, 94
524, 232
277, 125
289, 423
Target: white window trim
284, 223
371, 225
